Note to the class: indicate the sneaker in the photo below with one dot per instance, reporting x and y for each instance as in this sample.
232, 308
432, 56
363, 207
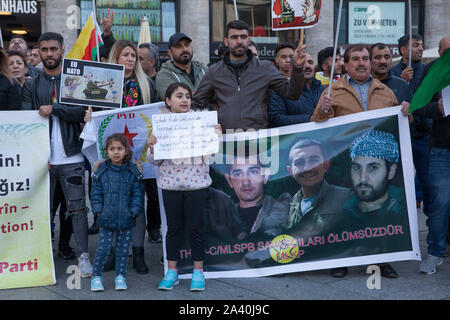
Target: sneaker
169, 280
429, 265
85, 265
198, 281
96, 284
120, 282
66, 253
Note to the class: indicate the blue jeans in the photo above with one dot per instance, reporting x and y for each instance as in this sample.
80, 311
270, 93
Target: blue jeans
105, 240
440, 201
420, 150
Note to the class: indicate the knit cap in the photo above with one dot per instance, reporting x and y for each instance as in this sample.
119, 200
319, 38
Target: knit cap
377, 144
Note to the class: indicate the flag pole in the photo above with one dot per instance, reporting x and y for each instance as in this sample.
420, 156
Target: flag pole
410, 32
94, 18
335, 47
235, 10
1, 38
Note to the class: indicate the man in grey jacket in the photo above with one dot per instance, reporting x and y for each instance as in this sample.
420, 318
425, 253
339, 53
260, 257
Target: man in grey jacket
181, 68
241, 83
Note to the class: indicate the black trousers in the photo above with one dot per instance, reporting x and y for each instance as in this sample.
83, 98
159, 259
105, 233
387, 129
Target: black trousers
153, 214
65, 221
184, 211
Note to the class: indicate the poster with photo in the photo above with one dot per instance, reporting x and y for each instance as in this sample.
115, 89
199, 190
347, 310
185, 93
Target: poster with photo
310, 196
295, 14
90, 83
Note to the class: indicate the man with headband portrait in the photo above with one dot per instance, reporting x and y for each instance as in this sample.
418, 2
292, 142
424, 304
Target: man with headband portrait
374, 159
375, 202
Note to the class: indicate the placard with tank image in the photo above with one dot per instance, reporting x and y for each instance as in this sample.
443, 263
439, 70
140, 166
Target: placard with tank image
90, 83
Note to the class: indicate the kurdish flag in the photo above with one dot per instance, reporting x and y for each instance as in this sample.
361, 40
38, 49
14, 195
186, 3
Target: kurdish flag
438, 78
85, 48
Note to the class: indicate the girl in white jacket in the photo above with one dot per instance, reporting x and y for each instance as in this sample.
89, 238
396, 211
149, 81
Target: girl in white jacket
184, 184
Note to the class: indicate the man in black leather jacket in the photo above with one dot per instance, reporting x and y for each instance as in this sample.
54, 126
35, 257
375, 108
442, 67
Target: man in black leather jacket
66, 162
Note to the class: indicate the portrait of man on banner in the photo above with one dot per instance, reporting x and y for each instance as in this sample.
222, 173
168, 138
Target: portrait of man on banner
296, 199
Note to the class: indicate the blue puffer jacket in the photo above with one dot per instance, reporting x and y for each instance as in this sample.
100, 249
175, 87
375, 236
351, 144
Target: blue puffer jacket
117, 194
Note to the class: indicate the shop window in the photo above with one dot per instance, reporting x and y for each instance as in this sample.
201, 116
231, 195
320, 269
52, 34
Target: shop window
161, 16
389, 20
22, 18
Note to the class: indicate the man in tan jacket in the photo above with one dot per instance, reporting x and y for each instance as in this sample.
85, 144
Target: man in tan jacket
357, 91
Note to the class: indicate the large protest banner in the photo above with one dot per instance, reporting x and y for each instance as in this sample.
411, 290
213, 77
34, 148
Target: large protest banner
134, 122
310, 196
26, 258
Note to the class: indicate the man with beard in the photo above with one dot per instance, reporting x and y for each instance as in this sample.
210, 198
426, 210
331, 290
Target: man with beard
181, 67
284, 112
241, 83
381, 60
66, 162
357, 91
374, 159
375, 202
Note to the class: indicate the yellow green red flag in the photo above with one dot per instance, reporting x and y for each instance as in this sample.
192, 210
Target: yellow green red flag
85, 48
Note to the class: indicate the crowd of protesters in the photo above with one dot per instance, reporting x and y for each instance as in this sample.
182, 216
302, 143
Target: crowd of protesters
248, 93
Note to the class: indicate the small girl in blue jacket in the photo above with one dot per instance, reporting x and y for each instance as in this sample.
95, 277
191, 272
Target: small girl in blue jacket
117, 198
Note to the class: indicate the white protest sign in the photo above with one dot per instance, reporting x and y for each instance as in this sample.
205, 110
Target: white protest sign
184, 135
446, 100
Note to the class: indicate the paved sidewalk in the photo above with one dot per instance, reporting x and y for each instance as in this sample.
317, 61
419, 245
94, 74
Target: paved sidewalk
304, 286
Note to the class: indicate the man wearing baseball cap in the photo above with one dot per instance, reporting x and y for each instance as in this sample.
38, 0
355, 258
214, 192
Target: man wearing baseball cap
181, 67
